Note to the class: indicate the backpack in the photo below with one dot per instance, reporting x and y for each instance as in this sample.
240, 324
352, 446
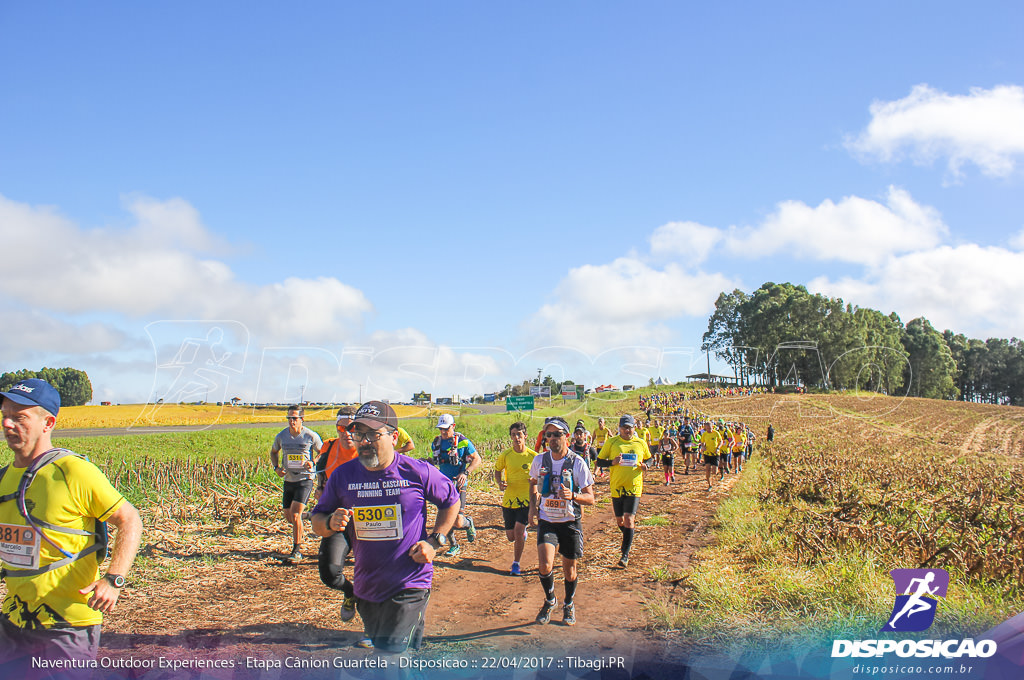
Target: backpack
99, 545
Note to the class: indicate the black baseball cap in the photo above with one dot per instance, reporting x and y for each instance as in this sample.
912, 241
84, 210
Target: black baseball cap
376, 414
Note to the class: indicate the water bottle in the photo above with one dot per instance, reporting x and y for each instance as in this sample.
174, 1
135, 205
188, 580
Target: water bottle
567, 477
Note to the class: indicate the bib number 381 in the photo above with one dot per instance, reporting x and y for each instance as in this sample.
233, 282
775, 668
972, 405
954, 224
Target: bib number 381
19, 546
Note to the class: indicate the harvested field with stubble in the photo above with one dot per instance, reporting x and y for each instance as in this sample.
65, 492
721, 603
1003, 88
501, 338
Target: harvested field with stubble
170, 415
797, 546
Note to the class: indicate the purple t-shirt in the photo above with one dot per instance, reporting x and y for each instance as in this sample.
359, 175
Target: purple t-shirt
390, 517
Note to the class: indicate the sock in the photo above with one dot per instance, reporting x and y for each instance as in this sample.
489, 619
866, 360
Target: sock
548, 584
570, 590
627, 539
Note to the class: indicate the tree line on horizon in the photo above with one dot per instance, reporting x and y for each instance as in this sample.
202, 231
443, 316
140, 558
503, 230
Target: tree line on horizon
73, 385
782, 334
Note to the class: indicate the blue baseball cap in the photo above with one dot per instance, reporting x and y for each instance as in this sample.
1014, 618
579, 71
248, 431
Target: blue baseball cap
34, 392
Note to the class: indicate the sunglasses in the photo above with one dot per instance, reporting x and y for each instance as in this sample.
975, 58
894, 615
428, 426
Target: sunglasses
553, 435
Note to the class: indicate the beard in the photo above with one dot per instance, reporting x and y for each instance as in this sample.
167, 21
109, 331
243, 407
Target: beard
368, 457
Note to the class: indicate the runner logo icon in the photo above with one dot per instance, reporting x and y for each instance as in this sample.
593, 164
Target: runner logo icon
917, 591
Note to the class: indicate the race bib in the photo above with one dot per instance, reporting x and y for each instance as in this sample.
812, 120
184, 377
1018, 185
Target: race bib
629, 459
19, 546
295, 461
557, 508
378, 523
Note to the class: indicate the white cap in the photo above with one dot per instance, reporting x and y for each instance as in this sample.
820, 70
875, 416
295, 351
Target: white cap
445, 421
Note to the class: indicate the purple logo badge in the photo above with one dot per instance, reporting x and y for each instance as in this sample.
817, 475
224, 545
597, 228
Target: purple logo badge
917, 591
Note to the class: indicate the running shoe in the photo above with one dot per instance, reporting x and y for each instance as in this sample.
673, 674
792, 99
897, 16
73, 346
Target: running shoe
365, 643
296, 556
624, 561
569, 614
453, 551
515, 571
470, 530
348, 609
545, 612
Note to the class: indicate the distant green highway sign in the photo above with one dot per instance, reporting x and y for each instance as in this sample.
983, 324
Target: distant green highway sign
519, 404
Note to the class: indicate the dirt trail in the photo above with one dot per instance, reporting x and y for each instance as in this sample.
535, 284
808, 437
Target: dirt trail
245, 602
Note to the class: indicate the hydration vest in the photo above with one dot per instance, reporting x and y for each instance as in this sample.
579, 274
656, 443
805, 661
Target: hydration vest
570, 461
99, 545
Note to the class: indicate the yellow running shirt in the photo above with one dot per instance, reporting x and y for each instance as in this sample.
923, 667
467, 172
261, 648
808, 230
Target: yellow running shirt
626, 479
517, 477
739, 442
712, 441
69, 493
600, 436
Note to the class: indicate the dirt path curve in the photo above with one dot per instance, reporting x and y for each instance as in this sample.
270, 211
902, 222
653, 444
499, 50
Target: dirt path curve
244, 603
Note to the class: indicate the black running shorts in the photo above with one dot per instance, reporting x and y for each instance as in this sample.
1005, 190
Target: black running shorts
395, 624
625, 504
297, 492
513, 516
568, 536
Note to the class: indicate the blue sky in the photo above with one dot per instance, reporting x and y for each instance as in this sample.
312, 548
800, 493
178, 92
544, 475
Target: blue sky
449, 196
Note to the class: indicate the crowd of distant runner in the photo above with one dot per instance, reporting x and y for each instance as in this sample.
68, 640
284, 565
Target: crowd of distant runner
370, 502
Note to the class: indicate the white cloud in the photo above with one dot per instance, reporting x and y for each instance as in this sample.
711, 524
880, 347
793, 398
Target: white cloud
632, 302
854, 230
148, 269
29, 335
1017, 241
969, 289
985, 127
170, 223
688, 239
625, 302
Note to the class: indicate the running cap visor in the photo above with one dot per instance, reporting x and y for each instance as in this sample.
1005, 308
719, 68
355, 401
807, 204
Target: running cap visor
557, 422
34, 392
376, 414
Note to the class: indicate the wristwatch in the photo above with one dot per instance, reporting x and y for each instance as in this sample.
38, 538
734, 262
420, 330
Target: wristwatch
115, 580
440, 539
